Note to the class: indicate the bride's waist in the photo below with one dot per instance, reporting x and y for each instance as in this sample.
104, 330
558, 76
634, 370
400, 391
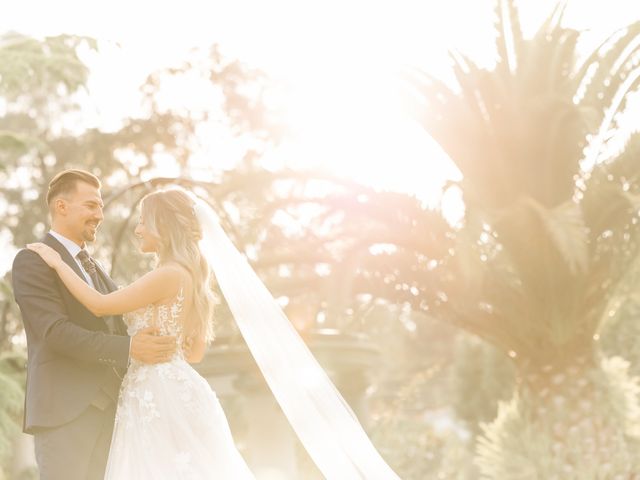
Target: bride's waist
177, 360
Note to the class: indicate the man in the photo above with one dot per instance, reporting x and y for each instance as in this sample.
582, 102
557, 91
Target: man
75, 360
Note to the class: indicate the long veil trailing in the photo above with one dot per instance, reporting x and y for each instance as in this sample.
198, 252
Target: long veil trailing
322, 419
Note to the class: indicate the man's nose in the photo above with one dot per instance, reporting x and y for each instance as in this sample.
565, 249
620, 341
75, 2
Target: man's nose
99, 215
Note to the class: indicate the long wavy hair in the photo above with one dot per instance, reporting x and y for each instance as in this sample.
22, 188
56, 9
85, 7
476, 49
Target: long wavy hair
170, 217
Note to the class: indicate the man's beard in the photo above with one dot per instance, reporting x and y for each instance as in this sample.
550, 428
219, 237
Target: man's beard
89, 233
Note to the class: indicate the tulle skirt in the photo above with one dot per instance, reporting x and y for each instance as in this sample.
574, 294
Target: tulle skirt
170, 425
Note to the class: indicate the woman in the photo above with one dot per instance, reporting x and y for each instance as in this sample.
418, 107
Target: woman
169, 423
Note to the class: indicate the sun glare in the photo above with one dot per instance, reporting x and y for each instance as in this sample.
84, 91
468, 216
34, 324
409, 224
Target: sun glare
339, 61
353, 125
344, 110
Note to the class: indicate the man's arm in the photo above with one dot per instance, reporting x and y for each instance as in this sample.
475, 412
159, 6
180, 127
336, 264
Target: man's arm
37, 294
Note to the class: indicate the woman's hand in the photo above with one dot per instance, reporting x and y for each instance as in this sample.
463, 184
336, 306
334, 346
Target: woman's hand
48, 254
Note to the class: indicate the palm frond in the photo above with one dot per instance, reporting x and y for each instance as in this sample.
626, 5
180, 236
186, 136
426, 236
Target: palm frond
502, 39
516, 29
609, 64
554, 20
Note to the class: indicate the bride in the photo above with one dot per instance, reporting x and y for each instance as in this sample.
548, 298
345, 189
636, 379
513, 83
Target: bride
169, 423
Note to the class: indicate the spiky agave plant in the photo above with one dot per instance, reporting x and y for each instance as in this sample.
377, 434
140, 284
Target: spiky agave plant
551, 228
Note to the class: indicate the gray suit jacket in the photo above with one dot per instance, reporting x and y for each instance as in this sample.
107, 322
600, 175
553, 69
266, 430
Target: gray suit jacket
71, 354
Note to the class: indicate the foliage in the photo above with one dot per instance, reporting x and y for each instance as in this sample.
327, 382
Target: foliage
601, 433
481, 377
415, 450
413, 425
9, 319
12, 380
30, 65
620, 330
39, 135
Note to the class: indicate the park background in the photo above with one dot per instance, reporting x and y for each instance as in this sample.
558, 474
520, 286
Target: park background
443, 196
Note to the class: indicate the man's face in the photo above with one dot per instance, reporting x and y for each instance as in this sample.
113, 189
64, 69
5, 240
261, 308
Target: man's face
81, 213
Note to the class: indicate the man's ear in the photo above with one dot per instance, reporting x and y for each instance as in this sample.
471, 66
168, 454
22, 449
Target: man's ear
59, 207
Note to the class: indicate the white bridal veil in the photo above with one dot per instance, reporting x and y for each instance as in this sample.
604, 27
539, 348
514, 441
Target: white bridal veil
322, 419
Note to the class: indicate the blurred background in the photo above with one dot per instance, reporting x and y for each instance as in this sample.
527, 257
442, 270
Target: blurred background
443, 196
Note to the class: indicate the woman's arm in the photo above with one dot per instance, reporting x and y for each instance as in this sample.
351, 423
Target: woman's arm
156, 285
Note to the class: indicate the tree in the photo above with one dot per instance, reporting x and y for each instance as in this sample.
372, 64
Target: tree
549, 234
27, 68
41, 87
12, 379
42, 80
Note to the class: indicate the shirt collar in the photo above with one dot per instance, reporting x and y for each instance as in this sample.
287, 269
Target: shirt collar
72, 247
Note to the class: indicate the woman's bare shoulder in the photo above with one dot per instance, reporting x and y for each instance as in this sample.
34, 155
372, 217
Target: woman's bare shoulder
177, 272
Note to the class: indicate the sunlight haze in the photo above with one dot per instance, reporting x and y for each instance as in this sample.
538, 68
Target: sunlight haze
339, 61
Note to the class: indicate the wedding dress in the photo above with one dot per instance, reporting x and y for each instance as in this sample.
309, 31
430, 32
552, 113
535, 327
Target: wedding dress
169, 422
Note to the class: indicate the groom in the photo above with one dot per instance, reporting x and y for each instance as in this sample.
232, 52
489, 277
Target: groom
75, 360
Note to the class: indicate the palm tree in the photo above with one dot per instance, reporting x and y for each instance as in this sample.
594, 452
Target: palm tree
551, 228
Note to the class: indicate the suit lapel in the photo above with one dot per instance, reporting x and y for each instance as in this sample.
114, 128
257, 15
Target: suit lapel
64, 253
120, 327
106, 278
68, 259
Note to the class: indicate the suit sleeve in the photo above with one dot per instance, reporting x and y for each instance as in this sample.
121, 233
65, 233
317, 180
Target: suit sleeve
36, 292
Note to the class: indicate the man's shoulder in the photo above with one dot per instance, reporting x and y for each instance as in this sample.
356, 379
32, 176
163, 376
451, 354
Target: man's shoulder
26, 257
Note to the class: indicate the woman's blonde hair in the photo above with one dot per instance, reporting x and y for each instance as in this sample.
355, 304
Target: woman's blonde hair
169, 215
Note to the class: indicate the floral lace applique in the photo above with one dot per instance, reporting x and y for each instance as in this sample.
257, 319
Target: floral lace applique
133, 396
138, 319
136, 401
169, 315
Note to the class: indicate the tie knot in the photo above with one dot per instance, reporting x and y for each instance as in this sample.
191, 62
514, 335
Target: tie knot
86, 262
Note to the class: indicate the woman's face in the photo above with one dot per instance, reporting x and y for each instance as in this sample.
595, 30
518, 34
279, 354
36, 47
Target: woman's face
148, 242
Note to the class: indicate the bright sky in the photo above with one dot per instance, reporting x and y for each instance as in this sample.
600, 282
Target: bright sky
338, 57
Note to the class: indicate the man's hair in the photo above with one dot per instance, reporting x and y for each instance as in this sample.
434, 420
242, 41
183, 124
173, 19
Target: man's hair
65, 182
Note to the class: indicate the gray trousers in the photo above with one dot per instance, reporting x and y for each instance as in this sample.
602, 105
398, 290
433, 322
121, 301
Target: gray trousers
77, 450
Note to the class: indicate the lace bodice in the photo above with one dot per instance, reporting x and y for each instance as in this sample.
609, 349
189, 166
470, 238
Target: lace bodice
167, 317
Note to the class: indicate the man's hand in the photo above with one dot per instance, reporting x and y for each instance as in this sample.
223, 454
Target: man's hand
148, 347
